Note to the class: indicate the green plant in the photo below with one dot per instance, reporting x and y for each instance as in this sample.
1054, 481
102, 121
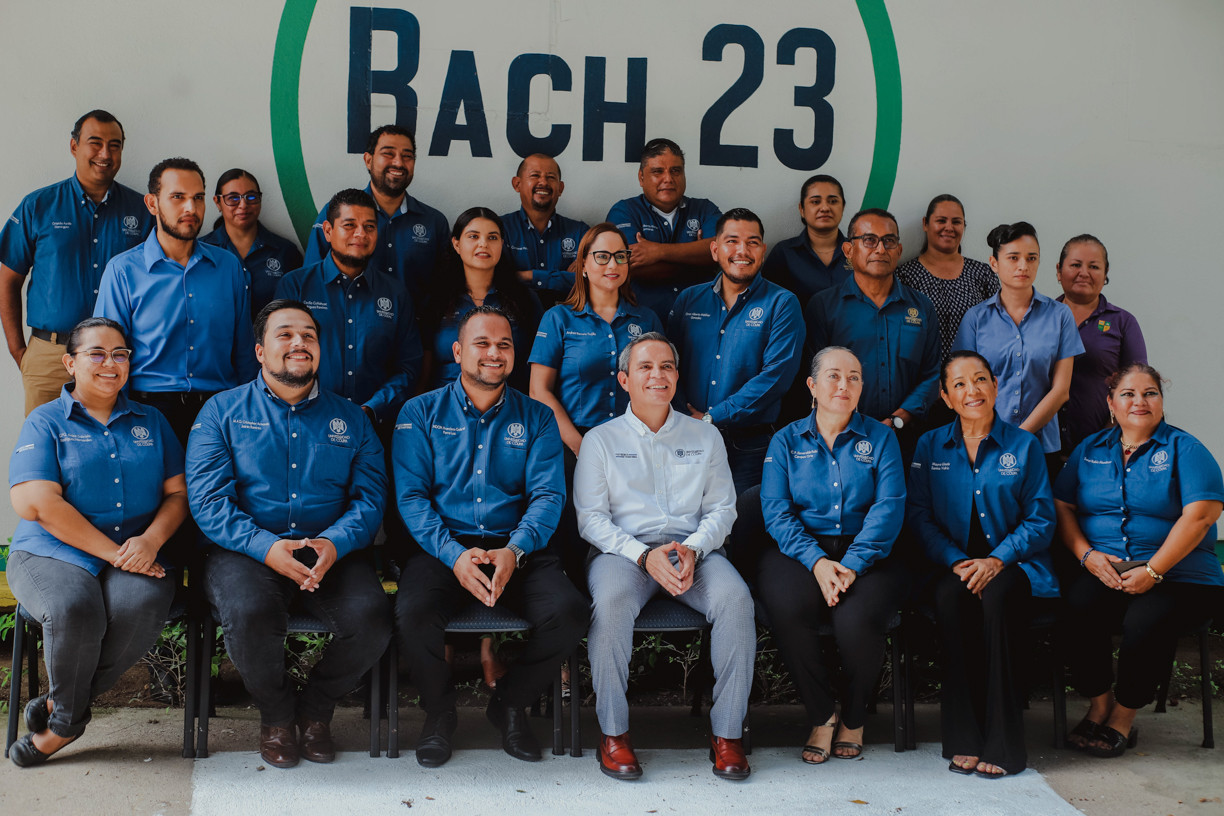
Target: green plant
6, 676
771, 678
305, 650
7, 622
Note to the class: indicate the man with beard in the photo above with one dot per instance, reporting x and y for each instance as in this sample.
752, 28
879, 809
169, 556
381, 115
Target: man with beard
410, 233
480, 484
288, 482
61, 237
184, 305
741, 337
543, 242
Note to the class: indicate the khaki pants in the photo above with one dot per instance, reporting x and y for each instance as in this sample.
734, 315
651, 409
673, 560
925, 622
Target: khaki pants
42, 372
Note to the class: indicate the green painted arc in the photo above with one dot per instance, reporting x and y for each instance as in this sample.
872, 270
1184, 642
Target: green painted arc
887, 68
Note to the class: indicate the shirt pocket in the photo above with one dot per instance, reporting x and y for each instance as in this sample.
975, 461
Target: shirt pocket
509, 470
910, 344
685, 487
331, 466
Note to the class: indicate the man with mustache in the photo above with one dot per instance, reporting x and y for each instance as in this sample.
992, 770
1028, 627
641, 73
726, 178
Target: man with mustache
411, 233
184, 305
61, 237
742, 336
543, 242
288, 482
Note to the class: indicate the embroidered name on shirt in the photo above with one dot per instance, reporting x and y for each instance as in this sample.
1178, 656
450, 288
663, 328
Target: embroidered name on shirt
696, 315
572, 333
316, 304
447, 431
24, 448
940, 466
249, 424
624, 456
1097, 461
807, 454
403, 426
67, 437
61, 224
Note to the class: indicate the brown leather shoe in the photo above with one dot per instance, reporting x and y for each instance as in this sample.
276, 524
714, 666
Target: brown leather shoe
616, 757
729, 759
277, 746
315, 741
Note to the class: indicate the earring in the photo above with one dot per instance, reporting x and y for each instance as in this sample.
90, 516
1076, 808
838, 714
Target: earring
1111, 418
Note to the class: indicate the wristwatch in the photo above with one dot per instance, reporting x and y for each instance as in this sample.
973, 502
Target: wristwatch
898, 422
1152, 572
707, 418
641, 562
519, 555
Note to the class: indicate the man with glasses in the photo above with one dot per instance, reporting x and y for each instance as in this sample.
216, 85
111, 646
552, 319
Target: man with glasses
891, 328
542, 241
62, 237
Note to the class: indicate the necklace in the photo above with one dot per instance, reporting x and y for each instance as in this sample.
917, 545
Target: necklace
983, 436
1128, 448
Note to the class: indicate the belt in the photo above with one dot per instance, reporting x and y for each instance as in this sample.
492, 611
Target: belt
51, 337
184, 397
746, 433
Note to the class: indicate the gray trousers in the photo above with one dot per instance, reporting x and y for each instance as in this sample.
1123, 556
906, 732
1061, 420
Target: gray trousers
619, 590
93, 628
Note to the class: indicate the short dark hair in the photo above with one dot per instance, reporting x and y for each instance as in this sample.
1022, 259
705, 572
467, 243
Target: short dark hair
479, 311
232, 175
389, 130
74, 336
104, 117
261, 319
738, 214
176, 163
820, 178
553, 159
879, 212
352, 197
1006, 233
657, 147
961, 354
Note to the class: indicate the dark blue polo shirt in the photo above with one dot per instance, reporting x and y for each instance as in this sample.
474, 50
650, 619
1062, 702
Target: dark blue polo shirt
462, 473
271, 257
369, 344
65, 240
549, 254
794, 266
446, 370
736, 363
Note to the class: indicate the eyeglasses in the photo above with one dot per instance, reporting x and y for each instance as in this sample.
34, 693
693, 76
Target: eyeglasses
602, 257
234, 199
121, 356
871, 241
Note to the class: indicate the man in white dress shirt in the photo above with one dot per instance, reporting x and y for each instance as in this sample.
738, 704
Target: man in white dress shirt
654, 495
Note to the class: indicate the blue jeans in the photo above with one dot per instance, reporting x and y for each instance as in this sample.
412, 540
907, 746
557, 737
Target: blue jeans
747, 460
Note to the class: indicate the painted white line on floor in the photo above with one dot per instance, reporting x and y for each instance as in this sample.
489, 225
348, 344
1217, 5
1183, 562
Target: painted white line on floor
489, 782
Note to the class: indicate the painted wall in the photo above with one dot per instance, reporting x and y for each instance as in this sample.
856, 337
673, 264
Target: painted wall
1097, 116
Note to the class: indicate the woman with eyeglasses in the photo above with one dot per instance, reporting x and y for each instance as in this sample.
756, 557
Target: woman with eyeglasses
265, 256
98, 483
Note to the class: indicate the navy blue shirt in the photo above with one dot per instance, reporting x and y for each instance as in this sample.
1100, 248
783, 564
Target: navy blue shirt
898, 344
794, 266
369, 344
549, 254
692, 215
462, 473
1007, 486
269, 258
260, 469
584, 350
189, 327
522, 331
736, 363
1129, 509
409, 241
858, 490
65, 240
111, 474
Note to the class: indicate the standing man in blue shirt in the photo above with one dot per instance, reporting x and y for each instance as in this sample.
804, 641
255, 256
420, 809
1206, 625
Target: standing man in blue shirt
479, 481
741, 338
62, 237
410, 232
184, 305
664, 228
288, 482
542, 241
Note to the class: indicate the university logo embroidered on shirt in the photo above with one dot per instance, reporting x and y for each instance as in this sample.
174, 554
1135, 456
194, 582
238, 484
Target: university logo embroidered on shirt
273, 265
419, 230
568, 245
131, 225
754, 318
635, 330
1007, 465
862, 452
338, 428
514, 435
911, 317
694, 226
1159, 462
681, 453
140, 432
384, 308
1103, 325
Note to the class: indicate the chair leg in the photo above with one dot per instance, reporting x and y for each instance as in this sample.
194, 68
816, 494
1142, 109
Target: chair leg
705, 669
375, 686
15, 680
555, 705
911, 682
1162, 691
208, 647
1060, 703
1205, 672
898, 678
575, 705
392, 700
191, 693
747, 730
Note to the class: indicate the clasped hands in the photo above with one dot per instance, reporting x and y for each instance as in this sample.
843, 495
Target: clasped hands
1134, 581
280, 558
139, 555
833, 578
676, 578
484, 587
977, 572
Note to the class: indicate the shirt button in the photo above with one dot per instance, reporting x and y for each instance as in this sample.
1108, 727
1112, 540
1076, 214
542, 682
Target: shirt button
116, 481
722, 331
291, 524
1017, 354
293, 495
1017, 393
611, 393
112, 456
294, 436
717, 356
1123, 538
118, 504
294, 466
988, 536
116, 529
611, 414
191, 348
479, 472
479, 447
835, 507
482, 422
350, 373
388, 246
838, 526
478, 501
95, 240
350, 320
835, 484
975, 470
189, 294
713, 382
190, 321
481, 526
95, 267
350, 346
978, 492
983, 515
106, 433
656, 465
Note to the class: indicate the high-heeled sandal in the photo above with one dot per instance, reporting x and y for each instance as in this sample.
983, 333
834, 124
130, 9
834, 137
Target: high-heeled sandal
1086, 730
816, 749
1116, 740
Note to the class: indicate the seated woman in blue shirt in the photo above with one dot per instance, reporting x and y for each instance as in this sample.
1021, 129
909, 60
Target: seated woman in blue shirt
1137, 506
979, 501
98, 482
833, 498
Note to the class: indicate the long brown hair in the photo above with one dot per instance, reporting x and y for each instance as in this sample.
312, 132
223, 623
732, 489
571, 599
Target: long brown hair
581, 292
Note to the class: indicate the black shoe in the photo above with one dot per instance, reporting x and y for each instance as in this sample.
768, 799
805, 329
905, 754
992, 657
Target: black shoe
434, 748
36, 716
25, 755
1116, 740
517, 739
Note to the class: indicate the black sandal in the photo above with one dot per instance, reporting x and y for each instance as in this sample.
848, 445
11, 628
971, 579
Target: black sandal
989, 775
960, 769
816, 749
1116, 740
1086, 730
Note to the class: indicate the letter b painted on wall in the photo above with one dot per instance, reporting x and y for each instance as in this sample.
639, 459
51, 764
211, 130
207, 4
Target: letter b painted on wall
363, 82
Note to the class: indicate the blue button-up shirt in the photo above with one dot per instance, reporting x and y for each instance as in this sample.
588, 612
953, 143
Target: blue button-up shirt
1007, 486
1128, 510
369, 345
692, 215
522, 331
1022, 357
271, 257
793, 265
584, 350
548, 254
462, 473
66, 240
858, 490
111, 474
260, 469
736, 363
409, 241
898, 343
189, 327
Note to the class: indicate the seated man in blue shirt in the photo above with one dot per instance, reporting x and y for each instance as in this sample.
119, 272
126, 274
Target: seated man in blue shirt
288, 482
479, 481
742, 338
664, 228
184, 305
542, 241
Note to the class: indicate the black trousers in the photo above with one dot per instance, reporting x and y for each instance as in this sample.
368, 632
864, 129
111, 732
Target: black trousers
983, 641
1150, 625
796, 608
570, 547
430, 595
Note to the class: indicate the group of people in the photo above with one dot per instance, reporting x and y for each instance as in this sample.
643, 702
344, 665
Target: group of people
922, 432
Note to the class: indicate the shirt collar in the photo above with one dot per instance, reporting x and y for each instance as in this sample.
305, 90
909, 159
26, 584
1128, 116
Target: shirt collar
851, 289
1037, 301
529, 225
623, 309
122, 404
409, 204
855, 426
642, 428
465, 403
79, 192
1103, 306
747, 293
954, 434
803, 245
331, 273
684, 202
153, 252
1160, 436
263, 383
